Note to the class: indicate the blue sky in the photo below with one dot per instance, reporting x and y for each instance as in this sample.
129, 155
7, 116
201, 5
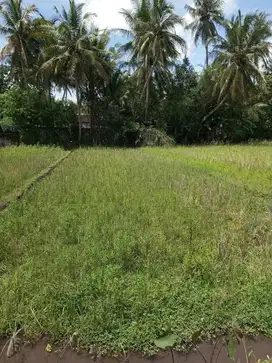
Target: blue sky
108, 17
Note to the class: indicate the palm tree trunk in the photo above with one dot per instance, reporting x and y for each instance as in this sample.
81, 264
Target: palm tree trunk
146, 102
24, 75
207, 55
215, 109
23, 64
148, 83
91, 108
78, 113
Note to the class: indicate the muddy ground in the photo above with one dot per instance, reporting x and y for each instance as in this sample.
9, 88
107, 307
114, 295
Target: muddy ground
261, 347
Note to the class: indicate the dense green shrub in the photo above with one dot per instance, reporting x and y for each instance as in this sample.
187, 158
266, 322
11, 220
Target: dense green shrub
149, 136
38, 119
190, 98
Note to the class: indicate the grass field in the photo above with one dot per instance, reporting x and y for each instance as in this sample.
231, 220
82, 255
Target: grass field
117, 244
18, 164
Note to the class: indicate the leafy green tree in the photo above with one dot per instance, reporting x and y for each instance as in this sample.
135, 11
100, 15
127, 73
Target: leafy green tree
177, 106
206, 14
37, 119
5, 78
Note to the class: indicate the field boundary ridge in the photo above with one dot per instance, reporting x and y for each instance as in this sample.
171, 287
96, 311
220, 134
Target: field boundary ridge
20, 192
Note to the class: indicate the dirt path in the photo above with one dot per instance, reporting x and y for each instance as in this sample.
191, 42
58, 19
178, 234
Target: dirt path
37, 354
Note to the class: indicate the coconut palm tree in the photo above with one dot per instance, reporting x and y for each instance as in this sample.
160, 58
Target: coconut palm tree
17, 28
239, 57
154, 43
206, 14
74, 52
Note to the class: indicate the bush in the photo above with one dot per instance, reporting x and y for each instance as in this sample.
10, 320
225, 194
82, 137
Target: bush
149, 136
36, 118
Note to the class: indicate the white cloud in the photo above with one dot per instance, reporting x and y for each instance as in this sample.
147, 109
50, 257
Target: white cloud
107, 12
108, 16
187, 35
230, 6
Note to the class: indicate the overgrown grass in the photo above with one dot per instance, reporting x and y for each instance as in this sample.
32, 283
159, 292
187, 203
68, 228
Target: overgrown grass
247, 165
18, 164
116, 244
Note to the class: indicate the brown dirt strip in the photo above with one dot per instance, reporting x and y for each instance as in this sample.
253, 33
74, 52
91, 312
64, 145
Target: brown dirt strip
31, 183
261, 348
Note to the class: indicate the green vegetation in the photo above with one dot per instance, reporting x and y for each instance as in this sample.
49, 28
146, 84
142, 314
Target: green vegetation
119, 244
36, 118
237, 164
19, 164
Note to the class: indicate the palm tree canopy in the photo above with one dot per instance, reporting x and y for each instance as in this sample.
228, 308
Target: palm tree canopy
206, 15
16, 18
238, 58
74, 50
18, 27
152, 26
77, 51
155, 45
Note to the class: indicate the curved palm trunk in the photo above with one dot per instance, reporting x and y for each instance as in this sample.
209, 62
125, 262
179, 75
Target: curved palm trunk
215, 109
207, 55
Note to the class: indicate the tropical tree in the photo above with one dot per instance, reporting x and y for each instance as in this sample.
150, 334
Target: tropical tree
239, 57
73, 53
5, 78
206, 14
154, 44
18, 29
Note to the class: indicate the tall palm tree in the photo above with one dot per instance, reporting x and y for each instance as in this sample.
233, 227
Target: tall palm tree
74, 52
239, 57
154, 44
17, 26
206, 14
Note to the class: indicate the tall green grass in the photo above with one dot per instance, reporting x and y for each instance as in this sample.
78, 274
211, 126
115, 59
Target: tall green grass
250, 166
116, 244
18, 164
